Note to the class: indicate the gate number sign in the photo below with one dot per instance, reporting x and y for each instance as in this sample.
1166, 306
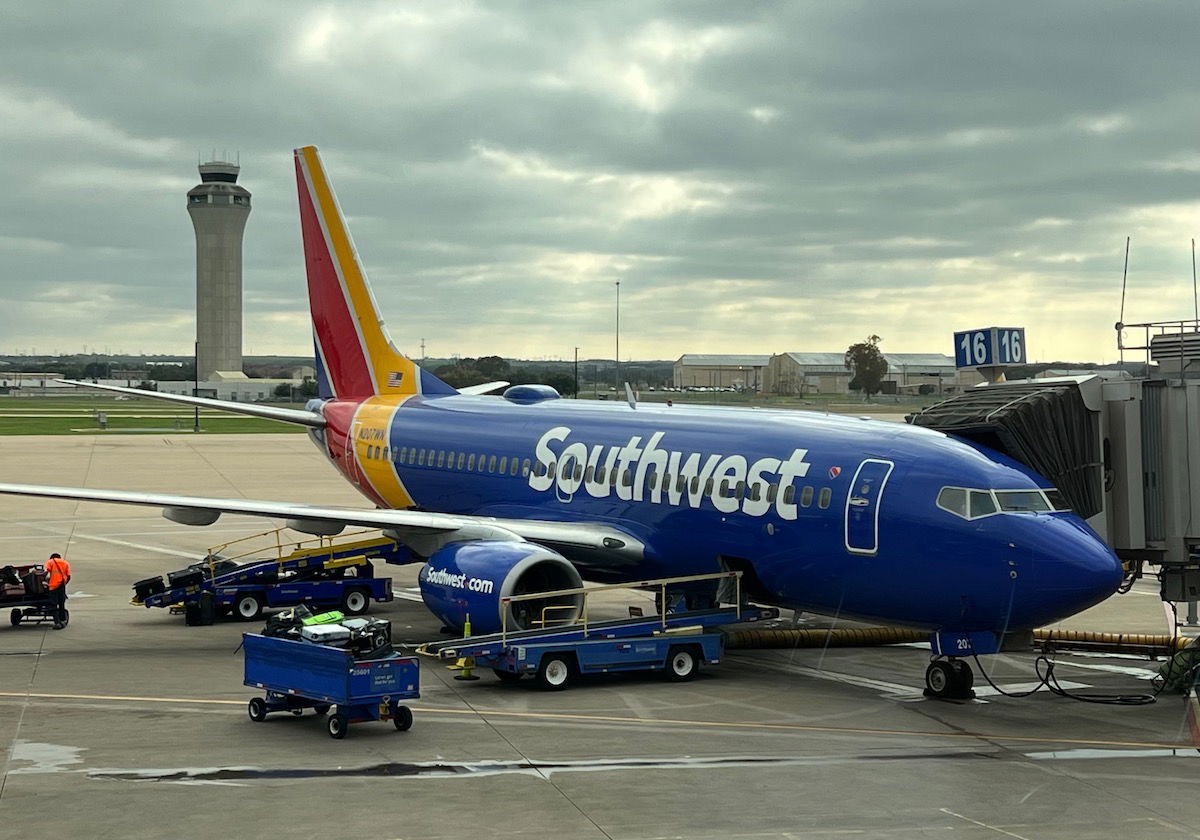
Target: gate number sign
989, 346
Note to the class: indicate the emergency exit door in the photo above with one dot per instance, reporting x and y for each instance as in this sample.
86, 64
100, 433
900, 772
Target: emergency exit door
862, 506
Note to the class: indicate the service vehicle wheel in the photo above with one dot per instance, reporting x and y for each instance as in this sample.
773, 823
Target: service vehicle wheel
249, 607
555, 672
355, 601
682, 664
403, 719
258, 709
15, 617
940, 678
506, 676
337, 725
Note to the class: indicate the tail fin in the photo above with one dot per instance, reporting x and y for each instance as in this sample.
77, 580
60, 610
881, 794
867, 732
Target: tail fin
355, 354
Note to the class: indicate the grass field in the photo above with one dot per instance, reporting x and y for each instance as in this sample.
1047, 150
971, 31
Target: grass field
78, 416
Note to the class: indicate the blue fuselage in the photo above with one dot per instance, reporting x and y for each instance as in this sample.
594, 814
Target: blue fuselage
833, 514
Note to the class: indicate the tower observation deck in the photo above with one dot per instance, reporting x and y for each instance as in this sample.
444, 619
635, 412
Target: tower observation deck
219, 208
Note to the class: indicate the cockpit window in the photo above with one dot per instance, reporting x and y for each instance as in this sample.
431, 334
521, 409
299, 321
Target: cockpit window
1055, 497
1022, 501
954, 500
982, 503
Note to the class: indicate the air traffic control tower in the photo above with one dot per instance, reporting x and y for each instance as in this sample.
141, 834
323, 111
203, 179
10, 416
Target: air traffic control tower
219, 208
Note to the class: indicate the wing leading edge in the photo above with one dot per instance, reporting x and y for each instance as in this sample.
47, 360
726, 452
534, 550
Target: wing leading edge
421, 530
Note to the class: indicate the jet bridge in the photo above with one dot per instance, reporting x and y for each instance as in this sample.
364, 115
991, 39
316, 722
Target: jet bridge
1125, 452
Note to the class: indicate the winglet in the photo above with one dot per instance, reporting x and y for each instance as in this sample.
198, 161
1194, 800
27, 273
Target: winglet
355, 354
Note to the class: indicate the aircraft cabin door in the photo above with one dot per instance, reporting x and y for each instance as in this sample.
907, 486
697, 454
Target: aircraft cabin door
352, 467
862, 505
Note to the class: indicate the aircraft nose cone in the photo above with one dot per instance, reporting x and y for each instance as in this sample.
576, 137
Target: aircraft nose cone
1074, 569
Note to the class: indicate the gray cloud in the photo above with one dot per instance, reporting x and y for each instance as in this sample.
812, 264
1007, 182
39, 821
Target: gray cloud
760, 177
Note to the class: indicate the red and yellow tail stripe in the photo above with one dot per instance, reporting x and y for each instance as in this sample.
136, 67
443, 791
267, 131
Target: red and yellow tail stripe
355, 350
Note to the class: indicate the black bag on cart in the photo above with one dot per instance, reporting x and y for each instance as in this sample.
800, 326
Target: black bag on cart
9, 575
35, 583
143, 589
185, 577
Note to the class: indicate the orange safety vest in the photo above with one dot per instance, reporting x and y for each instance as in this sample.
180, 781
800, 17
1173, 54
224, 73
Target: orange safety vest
60, 572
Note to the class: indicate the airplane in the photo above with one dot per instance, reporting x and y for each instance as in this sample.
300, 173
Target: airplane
527, 492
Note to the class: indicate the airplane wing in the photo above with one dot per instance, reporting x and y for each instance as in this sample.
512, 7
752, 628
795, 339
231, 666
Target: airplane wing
485, 388
422, 531
285, 415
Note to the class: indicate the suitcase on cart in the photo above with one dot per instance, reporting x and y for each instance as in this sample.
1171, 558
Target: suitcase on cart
185, 577
143, 589
13, 591
332, 635
35, 583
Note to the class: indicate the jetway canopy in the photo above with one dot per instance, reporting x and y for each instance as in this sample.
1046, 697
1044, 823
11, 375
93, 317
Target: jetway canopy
1044, 425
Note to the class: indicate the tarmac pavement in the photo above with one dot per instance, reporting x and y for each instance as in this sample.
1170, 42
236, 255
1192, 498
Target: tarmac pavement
129, 724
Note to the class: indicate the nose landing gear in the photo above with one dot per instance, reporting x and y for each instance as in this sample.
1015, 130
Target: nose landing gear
949, 678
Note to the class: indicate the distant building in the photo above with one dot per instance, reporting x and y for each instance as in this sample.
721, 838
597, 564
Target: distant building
800, 373
743, 372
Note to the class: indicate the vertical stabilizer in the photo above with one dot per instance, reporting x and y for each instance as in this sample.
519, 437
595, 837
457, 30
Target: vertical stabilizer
355, 355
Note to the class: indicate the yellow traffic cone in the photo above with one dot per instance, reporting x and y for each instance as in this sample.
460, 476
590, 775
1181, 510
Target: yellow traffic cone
465, 664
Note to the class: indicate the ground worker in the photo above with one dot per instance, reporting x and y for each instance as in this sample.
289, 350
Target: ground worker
59, 571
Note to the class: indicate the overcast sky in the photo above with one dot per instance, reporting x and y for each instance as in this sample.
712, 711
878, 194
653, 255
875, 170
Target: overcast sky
760, 177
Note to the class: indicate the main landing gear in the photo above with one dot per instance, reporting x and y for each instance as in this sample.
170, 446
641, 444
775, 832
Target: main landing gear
949, 678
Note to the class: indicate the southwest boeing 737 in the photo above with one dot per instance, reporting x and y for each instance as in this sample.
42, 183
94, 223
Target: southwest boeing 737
527, 492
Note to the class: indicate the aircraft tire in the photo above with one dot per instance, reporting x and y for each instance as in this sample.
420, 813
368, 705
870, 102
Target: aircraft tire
940, 679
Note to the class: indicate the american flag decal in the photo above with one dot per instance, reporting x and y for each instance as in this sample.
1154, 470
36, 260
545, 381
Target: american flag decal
394, 379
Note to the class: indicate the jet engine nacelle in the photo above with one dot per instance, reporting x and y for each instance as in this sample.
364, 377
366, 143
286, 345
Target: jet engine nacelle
470, 579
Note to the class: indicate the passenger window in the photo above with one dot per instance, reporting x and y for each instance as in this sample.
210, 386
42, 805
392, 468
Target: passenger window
789, 494
420, 457
513, 466
680, 483
653, 481
740, 491
402, 457
982, 503
755, 492
825, 498
450, 461
492, 464
806, 497
578, 471
772, 493
953, 500
471, 462
503, 464
600, 475
462, 458
695, 484
387, 454
590, 474
613, 476
724, 491
550, 472
481, 462
708, 487
441, 459
627, 478
524, 468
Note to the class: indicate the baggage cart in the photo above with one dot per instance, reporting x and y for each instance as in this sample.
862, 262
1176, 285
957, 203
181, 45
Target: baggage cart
676, 642
34, 604
299, 675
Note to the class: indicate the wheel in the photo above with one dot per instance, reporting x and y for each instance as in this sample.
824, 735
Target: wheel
506, 676
555, 672
682, 664
15, 617
355, 601
964, 677
322, 709
403, 719
940, 678
337, 725
258, 709
297, 712
248, 607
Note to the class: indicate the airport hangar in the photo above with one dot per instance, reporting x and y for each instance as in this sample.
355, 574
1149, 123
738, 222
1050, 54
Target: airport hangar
803, 373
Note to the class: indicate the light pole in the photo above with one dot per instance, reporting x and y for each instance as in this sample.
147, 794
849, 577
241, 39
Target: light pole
576, 394
617, 387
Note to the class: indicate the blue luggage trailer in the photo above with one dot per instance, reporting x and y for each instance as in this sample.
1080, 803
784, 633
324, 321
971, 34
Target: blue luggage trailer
316, 577
676, 642
301, 675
